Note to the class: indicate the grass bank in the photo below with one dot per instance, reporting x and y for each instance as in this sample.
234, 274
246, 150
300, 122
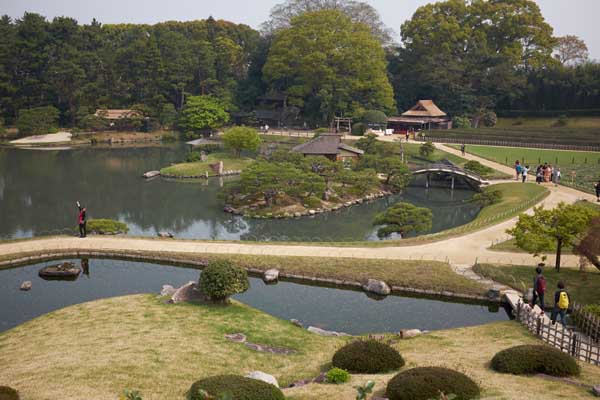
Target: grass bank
200, 168
584, 287
95, 350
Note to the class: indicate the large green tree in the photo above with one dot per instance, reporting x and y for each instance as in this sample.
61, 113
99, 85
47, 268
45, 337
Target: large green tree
403, 218
203, 114
329, 65
241, 138
548, 229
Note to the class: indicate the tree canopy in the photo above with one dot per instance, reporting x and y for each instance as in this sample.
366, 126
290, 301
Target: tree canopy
403, 218
203, 114
329, 65
241, 138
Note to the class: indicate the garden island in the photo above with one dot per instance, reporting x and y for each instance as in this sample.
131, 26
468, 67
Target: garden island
318, 209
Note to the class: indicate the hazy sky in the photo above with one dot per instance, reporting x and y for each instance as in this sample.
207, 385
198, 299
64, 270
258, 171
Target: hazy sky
578, 17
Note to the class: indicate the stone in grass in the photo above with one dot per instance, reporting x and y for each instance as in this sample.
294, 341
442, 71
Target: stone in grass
323, 332
596, 390
25, 286
261, 376
297, 323
167, 290
409, 333
377, 287
271, 275
236, 337
188, 292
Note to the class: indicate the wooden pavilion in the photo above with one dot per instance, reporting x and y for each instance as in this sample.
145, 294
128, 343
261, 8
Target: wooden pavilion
424, 115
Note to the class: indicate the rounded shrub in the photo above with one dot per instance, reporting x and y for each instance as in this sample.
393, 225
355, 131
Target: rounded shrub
425, 383
535, 359
367, 357
239, 387
8, 393
359, 129
222, 279
337, 375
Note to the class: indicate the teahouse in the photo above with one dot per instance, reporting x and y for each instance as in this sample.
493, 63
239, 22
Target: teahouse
117, 114
331, 146
423, 115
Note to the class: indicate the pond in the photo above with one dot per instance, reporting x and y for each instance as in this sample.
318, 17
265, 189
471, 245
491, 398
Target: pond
328, 308
38, 190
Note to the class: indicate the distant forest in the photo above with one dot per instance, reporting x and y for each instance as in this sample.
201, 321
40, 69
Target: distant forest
467, 56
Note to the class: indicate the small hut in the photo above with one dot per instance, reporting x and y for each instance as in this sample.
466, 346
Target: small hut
423, 115
331, 146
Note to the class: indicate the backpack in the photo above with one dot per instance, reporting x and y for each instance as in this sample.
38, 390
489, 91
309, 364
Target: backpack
541, 285
563, 300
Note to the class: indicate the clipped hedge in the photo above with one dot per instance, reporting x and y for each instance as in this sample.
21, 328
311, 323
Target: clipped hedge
535, 359
239, 387
222, 279
337, 375
367, 357
8, 393
426, 383
106, 227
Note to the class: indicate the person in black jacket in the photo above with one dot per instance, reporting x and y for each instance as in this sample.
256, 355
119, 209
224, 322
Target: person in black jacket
539, 288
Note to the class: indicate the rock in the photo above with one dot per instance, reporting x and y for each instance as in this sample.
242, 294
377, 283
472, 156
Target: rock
323, 332
271, 275
236, 337
408, 333
297, 214
26, 286
65, 271
378, 287
261, 376
300, 383
167, 290
188, 292
596, 390
165, 234
297, 323
312, 212
151, 174
493, 293
322, 378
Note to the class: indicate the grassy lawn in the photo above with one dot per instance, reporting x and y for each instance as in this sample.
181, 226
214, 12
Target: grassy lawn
584, 165
96, 350
199, 168
584, 287
534, 123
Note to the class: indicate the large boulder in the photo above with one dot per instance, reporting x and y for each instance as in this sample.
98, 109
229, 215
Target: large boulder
377, 287
188, 292
323, 332
167, 290
261, 376
271, 275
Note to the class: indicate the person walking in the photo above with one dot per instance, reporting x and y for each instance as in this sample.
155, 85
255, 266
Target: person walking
561, 304
597, 186
557, 175
524, 172
539, 288
539, 175
82, 220
518, 169
463, 147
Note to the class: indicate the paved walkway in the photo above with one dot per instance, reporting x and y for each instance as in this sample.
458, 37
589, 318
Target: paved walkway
459, 251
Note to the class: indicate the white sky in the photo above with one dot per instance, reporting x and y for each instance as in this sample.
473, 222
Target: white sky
578, 17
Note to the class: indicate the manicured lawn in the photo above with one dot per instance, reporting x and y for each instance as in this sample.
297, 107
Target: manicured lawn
536, 123
579, 169
199, 168
96, 350
584, 287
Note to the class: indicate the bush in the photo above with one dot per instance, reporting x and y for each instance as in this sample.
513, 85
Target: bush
488, 197
38, 120
374, 117
106, 227
312, 202
534, 359
477, 167
367, 357
192, 156
489, 119
169, 137
425, 383
461, 122
563, 120
426, 149
222, 279
337, 375
93, 123
359, 129
8, 393
238, 387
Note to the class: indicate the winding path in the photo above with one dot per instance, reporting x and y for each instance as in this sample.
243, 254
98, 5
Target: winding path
460, 251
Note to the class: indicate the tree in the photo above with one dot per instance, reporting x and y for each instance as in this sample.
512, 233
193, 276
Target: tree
426, 149
390, 166
221, 279
282, 15
547, 229
241, 138
375, 118
329, 65
589, 246
403, 218
570, 50
38, 120
203, 114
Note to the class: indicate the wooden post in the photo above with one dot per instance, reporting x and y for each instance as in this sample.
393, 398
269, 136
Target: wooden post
538, 327
427, 181
452, 184
574, 346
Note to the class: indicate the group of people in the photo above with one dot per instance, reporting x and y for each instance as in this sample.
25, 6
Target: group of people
543, 173
562, 300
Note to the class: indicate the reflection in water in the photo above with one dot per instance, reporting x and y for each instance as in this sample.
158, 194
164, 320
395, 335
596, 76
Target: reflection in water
328, 308
37, 190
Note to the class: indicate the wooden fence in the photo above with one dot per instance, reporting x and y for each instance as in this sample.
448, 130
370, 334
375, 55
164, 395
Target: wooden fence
577, 344
288, 132
507, 143
587, 323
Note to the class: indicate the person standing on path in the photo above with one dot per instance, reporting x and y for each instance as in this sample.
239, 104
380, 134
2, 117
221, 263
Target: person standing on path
463, 147
561, 304
597, 186
524, 172
82, 220
539, 288
518, 169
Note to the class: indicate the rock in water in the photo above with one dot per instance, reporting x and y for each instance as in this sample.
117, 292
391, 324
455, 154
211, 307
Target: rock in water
26, 285
378, 287
261, 376
271, 275
151, 174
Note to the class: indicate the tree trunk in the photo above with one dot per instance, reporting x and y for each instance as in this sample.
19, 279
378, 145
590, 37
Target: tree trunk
559, 243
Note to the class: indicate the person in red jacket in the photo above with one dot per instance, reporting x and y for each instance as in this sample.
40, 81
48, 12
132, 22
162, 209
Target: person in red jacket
82, 220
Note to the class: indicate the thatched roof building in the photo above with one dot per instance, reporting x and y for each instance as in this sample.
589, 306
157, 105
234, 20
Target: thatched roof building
423, 115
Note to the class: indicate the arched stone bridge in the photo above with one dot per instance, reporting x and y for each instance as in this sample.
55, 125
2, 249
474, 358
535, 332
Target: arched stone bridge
449, 168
